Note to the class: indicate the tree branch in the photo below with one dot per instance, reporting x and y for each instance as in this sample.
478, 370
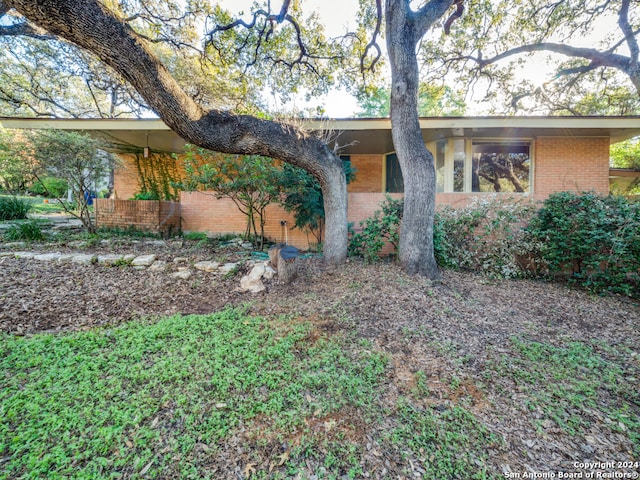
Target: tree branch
24, 30
627, 30
90, 25
597, 57
265, 33
431, 12
373, 43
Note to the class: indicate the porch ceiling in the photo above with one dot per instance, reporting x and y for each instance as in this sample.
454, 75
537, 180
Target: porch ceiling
357, 135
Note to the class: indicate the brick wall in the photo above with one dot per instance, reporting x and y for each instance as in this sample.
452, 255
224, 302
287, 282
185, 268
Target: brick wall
368, 173
148, 215
563, 163
203, 212
560, 163
125, 182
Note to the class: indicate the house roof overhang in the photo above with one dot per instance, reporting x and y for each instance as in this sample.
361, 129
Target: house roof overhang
358, 135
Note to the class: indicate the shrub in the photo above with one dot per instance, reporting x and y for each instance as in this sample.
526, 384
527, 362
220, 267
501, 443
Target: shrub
488, 236
146, 196
52, 187
378, 230
593, 238
14, 208
30, 230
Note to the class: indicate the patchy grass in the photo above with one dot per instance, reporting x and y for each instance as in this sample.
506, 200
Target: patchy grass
477, 378
156, 400
566, 383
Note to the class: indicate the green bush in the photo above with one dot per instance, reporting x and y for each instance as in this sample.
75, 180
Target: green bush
30, 230
51, 187
488, 237
593, 238
378, 230
14, 208
146, 196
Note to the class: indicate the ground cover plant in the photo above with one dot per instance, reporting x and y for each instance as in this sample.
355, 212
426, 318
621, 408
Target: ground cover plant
152, 398
359, 371
14, 208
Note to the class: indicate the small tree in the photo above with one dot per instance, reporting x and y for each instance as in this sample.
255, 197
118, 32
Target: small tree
251, 182
302, 196
17, 164
80, 160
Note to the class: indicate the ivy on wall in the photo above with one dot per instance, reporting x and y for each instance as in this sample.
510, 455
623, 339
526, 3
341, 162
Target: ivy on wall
157, 177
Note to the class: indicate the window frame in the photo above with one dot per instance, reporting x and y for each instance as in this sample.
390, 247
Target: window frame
449, 155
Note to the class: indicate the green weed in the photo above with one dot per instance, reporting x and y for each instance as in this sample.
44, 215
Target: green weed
149, 399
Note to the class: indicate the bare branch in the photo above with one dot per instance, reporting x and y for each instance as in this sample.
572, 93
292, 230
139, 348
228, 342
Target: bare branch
265, 32
627, 30
459, 4
607, 59
430, 13
373, 43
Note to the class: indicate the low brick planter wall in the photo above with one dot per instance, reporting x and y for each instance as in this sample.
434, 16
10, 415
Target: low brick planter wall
148, 215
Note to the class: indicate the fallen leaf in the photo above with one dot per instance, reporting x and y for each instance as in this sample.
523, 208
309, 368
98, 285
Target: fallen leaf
282, 458
249, 470
146, 468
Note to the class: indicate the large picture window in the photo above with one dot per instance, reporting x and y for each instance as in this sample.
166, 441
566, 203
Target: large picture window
465, 165
500, 166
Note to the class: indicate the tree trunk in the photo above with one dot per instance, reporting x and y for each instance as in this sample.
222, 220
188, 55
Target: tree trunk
416, 162
90, 25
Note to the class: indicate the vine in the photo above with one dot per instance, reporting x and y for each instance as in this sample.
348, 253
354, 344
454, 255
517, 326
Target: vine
157, 176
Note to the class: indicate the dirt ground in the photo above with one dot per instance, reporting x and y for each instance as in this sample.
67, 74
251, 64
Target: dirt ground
422, 326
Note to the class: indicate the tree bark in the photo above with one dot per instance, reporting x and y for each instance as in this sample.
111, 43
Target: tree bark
416, 253
90, 25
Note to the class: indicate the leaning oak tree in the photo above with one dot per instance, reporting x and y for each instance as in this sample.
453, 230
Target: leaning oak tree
91, 25
404, 29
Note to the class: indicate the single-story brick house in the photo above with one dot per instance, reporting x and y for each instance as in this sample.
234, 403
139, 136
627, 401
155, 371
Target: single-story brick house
474, 156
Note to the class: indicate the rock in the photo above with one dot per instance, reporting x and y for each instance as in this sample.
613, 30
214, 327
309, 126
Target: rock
110, 259
257, 271
180, 260
253, 282
14, 245
157, 243
247, 245
83, 259
47, 257
129, 257
182, 274
269, 272
25, 254
66, 257
143, 260
207, 266
7, 254
227, 268
158, 266
77, 244
247, 284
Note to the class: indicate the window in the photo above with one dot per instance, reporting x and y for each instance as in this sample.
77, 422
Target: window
395, 183
465, 165
500, 166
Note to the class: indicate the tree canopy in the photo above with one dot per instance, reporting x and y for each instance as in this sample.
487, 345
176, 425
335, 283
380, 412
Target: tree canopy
590, 45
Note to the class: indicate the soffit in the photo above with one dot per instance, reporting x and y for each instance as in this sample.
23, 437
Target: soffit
354, 135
